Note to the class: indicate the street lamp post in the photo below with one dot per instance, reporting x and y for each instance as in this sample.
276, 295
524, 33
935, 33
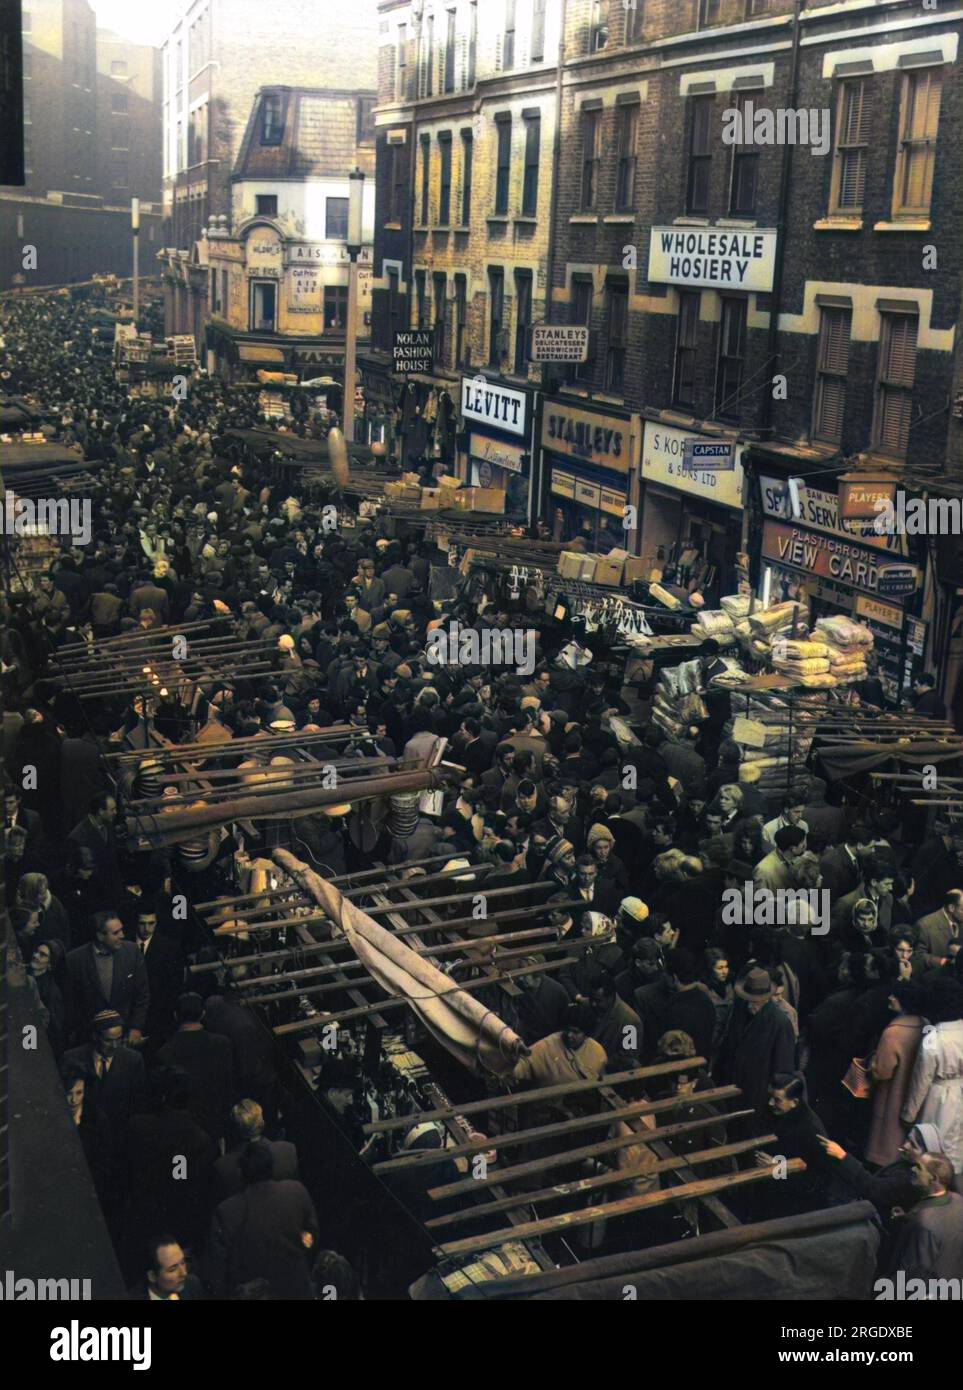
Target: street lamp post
354, 243
135, 228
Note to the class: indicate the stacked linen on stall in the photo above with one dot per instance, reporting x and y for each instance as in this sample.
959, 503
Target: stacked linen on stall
715, 623
757, 631
736, 605
677, 703
848, 644
805, 661
761, 727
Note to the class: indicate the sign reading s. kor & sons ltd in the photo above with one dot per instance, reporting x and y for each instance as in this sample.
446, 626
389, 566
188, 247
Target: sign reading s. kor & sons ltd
706, 258
500, 406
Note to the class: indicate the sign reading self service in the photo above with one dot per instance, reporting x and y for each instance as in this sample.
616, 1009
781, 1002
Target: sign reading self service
704, 258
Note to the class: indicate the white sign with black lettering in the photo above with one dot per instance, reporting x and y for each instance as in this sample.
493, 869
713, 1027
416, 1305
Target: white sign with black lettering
710, 258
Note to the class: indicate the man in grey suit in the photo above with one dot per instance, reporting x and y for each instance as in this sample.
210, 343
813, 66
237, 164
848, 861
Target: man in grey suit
940, 930
247, 1121
107, 973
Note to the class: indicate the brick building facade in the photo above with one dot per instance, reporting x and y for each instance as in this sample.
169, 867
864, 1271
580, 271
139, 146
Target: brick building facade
215, 59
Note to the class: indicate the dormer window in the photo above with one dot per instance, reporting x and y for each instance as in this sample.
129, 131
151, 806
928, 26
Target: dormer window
272, 120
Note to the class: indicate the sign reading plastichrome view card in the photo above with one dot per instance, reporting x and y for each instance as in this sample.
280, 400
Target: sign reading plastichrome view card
712, 259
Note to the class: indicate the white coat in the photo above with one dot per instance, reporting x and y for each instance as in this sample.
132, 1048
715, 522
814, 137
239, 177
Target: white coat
935, 1094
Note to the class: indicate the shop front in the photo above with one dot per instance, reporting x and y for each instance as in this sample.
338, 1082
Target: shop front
820, 562
588, 476
692, 514
496, 440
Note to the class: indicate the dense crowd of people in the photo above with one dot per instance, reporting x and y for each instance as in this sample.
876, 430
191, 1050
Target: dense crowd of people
847, 1044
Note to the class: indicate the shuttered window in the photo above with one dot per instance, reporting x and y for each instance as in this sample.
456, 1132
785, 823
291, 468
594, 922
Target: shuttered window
700, 155
591, 129
732, 353
894, 387
916, 157
686, 349
627, 133
496, 300
504, 165
450, 51
425, 142
533, 136
831, 371
467, 148
444, 189
849, 170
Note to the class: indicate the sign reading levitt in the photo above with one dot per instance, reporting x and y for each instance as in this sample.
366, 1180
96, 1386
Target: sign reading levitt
709, 259
559, 342
502, 406
414, 351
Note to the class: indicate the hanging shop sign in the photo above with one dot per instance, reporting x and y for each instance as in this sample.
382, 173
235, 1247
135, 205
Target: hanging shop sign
708, 453
845, 561
414, 351
820, 511
496, 453
559, 342
713, 260
598, 439
663, 461
491, 404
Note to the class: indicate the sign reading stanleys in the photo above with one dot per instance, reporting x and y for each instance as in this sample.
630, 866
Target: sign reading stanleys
710, 259
598, 439
559, 342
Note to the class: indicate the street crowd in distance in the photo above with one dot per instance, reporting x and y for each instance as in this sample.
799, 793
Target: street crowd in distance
186, 527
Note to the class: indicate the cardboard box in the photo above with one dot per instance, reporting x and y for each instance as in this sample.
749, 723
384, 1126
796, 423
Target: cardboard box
394, 489
411, 479
488, 499
608, 570
634, 568
431, 499
573, 564
447, 481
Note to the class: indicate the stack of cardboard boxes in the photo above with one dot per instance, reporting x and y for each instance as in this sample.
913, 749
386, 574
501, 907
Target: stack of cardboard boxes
614, 570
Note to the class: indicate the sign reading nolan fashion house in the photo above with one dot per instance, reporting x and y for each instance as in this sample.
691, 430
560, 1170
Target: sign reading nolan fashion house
491, 404
705, 258
413, 351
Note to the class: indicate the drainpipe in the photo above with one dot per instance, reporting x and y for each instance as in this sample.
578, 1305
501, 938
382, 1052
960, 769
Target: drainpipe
785, 179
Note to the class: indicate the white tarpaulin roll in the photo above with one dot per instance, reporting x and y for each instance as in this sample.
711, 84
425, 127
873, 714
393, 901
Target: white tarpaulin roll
460, 1022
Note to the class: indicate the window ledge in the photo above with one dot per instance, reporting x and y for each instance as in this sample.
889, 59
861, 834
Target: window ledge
584, 219
442, 227
691, 222
391, 226
462, 227
743, 222
910, 224
620, 219
500, 218
526, 221
838, 224
421, 227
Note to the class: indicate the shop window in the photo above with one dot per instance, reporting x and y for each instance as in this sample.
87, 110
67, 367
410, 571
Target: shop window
461, 321
583, 293
263, 306
536, 47
616, 334
444, 194
626, 140
916, 156
591, 132
831, 371
732, 352
496, 302
467, 150
336, 219
440, 296
533, 137
523, 320
394, 306
894, 386
687, 350
744, 174
700, 155
755, 8
451, 19
335, 308
266, 204
421, 297
425, 143
849, 156
272, 122
508, 40
504, 164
